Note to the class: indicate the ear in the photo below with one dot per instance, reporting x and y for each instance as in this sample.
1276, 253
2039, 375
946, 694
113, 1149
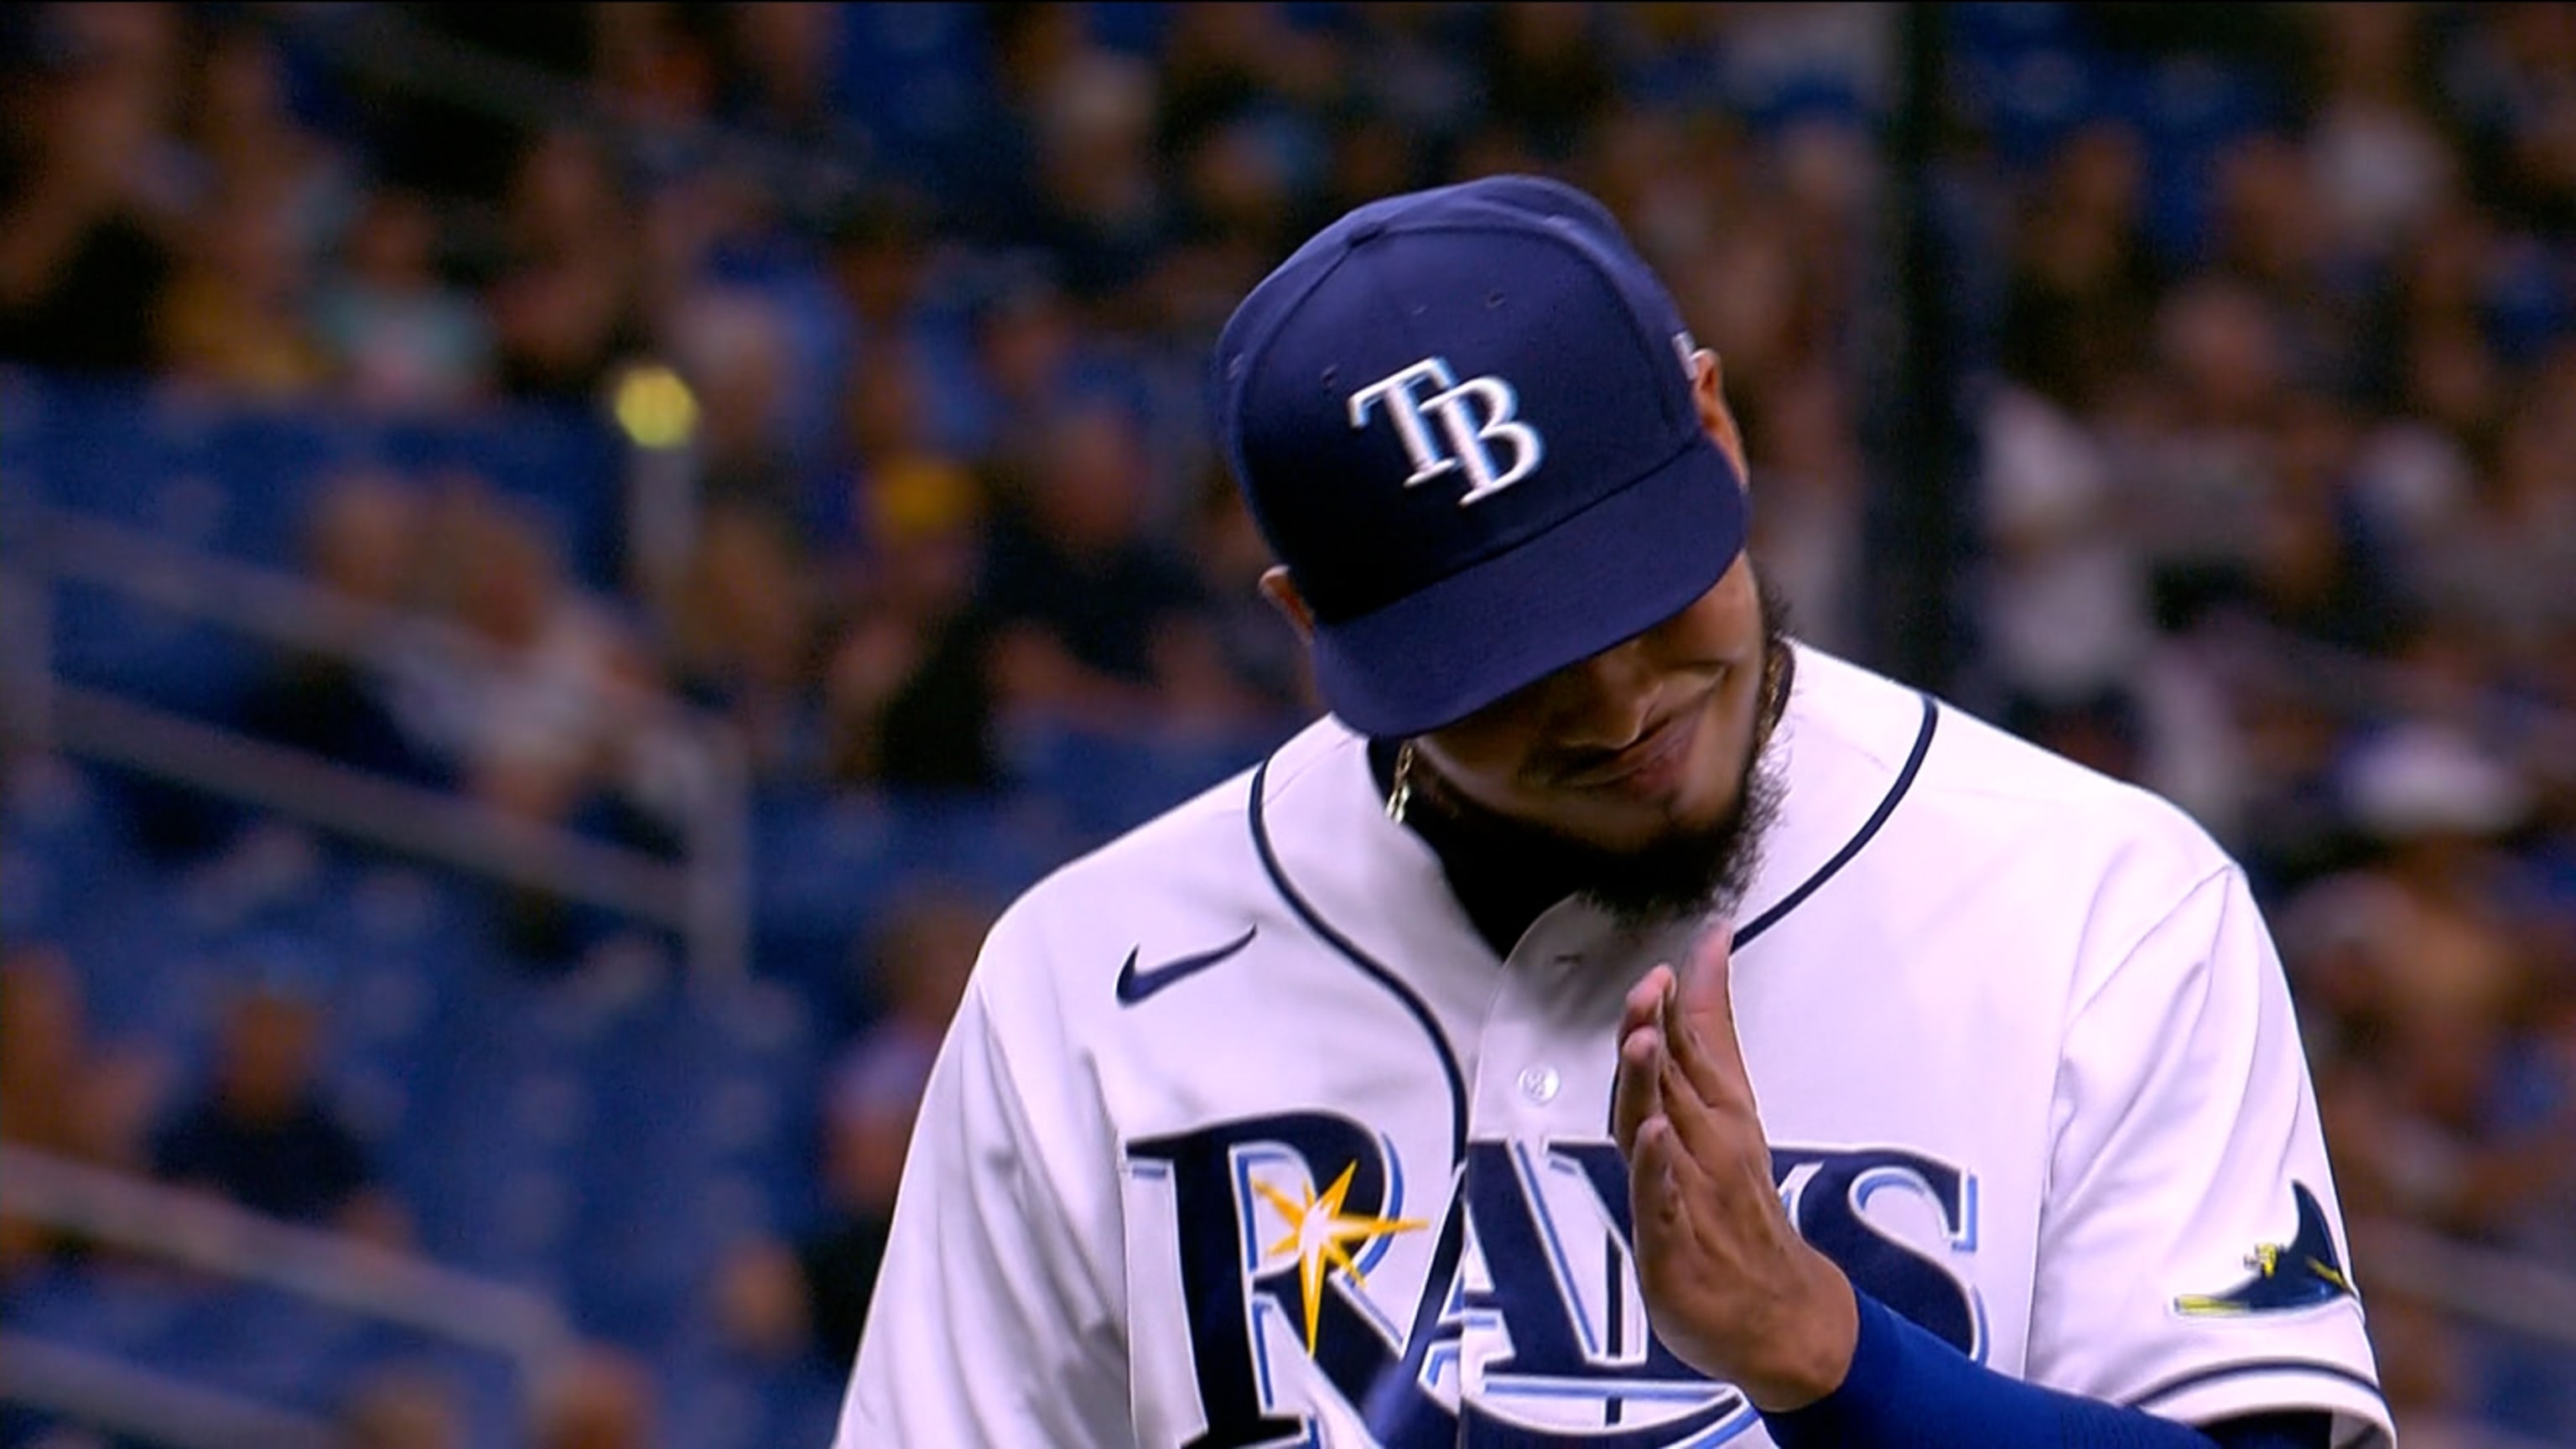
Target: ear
1281, 591
1708, 394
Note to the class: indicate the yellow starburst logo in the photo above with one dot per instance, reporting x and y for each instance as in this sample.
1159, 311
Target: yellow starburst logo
1322, 1236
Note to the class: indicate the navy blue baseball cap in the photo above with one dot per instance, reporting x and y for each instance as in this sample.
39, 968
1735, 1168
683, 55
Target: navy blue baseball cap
1462, 418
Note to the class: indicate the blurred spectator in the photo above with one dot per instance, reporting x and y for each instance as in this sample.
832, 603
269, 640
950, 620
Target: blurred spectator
907, 697
1256, 650
363, 543
2292, 824
541, 702
2511, 77
400, 338
266, 196
1097, 625
438, 139
62, 1092
259, 1129
658, 68
84, 259
987, 178
812, 1295
889, 281
2270, 231
1810, 481
2065, 600
237, 315
399, 1406
1752, 296
1412, 66
600, 1397
565, 306
2307, 572
2500, 564
534, 698
1101, 208
1244, 94
1221, 64
780, 60
2443, 983
2195, 441
2084, 284
1031, 355
2381, 166
2428, 1370
2436, 363
731, 346
743, 639
2441, 1023
241, 134
886, 430
1548, 79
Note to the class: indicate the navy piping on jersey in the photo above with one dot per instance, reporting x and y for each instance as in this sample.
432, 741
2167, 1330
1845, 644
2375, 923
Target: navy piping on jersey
1377, 972
1851, 847
2194, 1380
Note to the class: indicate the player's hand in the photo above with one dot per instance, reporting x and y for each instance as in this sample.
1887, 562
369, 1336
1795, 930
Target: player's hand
1730, 1286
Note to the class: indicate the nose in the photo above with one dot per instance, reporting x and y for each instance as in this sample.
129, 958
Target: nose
1604, 702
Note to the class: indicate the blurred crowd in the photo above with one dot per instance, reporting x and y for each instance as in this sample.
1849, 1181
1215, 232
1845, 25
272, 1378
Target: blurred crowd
2268, 349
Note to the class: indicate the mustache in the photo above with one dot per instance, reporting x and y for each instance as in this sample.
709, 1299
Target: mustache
1568, 764
1574, 764
1591, 766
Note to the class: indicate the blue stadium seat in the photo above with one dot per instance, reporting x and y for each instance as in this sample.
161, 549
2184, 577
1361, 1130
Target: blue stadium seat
716, 1398
118, 1310
113, 639
912, 75
87, 453
1105, 784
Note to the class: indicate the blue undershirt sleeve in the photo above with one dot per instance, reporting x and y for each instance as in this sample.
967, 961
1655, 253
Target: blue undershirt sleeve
1909, 1390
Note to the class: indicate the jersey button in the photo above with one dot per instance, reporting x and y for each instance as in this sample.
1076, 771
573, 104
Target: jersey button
1540, 1084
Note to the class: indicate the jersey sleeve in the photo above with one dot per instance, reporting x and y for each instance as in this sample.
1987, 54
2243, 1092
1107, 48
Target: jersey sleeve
2192, 1254
996, 1318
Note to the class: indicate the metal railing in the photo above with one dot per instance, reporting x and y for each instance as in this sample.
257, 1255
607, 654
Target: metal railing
155, 1407
218, 1237
703, 897
2501, 1290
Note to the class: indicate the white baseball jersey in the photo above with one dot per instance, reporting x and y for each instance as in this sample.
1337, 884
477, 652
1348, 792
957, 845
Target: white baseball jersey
1244, 1136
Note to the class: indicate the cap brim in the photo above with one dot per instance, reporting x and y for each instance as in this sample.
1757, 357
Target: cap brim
1602, 576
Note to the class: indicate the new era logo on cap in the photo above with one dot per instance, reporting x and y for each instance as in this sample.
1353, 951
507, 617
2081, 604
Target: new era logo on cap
1457, 417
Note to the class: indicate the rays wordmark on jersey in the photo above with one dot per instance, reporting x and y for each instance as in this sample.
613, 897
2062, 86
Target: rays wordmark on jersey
1526, 1328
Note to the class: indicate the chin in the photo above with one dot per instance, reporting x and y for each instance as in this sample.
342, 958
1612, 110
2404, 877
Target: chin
1647, 826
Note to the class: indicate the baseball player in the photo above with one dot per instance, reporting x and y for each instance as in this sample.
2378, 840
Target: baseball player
1617, 1024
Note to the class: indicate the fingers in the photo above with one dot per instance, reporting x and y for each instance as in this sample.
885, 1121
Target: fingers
1701, 1026
1645, 1004
1655, 1198
1709, 1133
1638, 1092
1702, 998
1680, 1061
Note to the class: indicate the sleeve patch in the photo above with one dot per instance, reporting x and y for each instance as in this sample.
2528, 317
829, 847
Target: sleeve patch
2305, 1272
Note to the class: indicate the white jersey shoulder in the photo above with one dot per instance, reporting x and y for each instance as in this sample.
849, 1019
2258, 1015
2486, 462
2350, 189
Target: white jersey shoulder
1244, 1136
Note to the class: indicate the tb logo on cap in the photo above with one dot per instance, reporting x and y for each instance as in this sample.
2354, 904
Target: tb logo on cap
1474, 415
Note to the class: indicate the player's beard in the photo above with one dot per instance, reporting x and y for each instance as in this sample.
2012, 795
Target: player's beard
1691, 871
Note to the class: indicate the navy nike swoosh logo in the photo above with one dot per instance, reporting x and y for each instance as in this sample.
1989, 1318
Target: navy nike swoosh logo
1134, 985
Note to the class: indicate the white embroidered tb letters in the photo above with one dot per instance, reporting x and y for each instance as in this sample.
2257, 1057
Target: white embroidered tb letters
1474, 415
